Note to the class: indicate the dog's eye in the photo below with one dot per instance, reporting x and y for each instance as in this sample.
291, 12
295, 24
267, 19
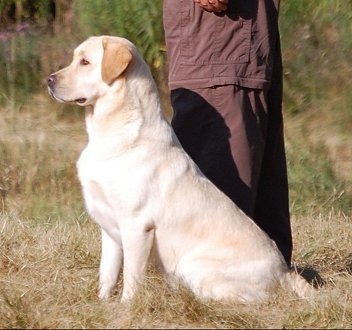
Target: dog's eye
84, 62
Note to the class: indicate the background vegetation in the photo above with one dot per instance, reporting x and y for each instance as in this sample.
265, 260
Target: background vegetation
49, 249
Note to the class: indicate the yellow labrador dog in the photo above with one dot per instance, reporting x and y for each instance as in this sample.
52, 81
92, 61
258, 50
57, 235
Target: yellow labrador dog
151, 201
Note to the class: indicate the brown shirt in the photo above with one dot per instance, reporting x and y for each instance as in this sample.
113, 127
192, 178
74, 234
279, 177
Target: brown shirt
208, 49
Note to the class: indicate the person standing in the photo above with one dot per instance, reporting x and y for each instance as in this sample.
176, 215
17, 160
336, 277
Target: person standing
225, 80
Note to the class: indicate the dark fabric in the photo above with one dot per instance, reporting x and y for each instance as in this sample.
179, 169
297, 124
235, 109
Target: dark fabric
271, 210
230, 120
223, 130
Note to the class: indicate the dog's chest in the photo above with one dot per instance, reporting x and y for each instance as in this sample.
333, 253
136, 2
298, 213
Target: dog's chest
114, 188
99, 208
98, 180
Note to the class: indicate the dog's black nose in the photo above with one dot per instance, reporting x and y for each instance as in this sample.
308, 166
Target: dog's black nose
51, 80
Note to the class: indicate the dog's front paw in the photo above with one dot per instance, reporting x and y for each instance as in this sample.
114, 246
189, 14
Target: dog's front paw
104, 292
127, 295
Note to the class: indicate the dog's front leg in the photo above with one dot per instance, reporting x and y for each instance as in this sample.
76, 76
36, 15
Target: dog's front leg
137, 245
110, 264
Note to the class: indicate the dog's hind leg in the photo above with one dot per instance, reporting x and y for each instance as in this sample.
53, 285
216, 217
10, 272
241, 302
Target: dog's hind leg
226, 284
137, 245
231, 289
110, 264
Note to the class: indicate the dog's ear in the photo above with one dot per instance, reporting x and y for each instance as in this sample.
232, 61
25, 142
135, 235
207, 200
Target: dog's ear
116, 59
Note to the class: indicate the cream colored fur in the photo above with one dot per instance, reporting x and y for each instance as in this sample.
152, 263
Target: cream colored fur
149, 198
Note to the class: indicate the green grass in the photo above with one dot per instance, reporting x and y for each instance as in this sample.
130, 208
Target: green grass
317, 103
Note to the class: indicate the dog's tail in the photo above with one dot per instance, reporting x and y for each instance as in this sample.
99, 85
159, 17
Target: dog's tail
293, 281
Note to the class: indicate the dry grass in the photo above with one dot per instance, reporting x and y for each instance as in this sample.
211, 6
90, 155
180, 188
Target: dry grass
48, 279
40, 142
49, 249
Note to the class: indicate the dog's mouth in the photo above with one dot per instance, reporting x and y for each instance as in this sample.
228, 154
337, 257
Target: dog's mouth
80, 100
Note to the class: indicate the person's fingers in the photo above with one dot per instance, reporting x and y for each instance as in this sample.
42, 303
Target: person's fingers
213, 5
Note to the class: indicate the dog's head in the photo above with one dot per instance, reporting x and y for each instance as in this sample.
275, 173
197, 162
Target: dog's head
98, 64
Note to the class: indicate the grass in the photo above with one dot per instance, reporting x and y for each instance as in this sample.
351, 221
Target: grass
48, 279
317, 104
39, 146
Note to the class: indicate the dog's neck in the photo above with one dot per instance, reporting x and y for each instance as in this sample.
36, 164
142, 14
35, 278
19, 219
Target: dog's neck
133, 112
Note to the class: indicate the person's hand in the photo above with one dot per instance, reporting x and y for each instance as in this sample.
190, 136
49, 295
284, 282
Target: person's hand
216, 6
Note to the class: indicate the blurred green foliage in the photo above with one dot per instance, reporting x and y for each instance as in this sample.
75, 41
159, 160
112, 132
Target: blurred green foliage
317, 43
19, 11
139, 21
32, 31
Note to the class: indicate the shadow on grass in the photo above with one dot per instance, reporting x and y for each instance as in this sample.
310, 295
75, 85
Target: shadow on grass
311, 275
